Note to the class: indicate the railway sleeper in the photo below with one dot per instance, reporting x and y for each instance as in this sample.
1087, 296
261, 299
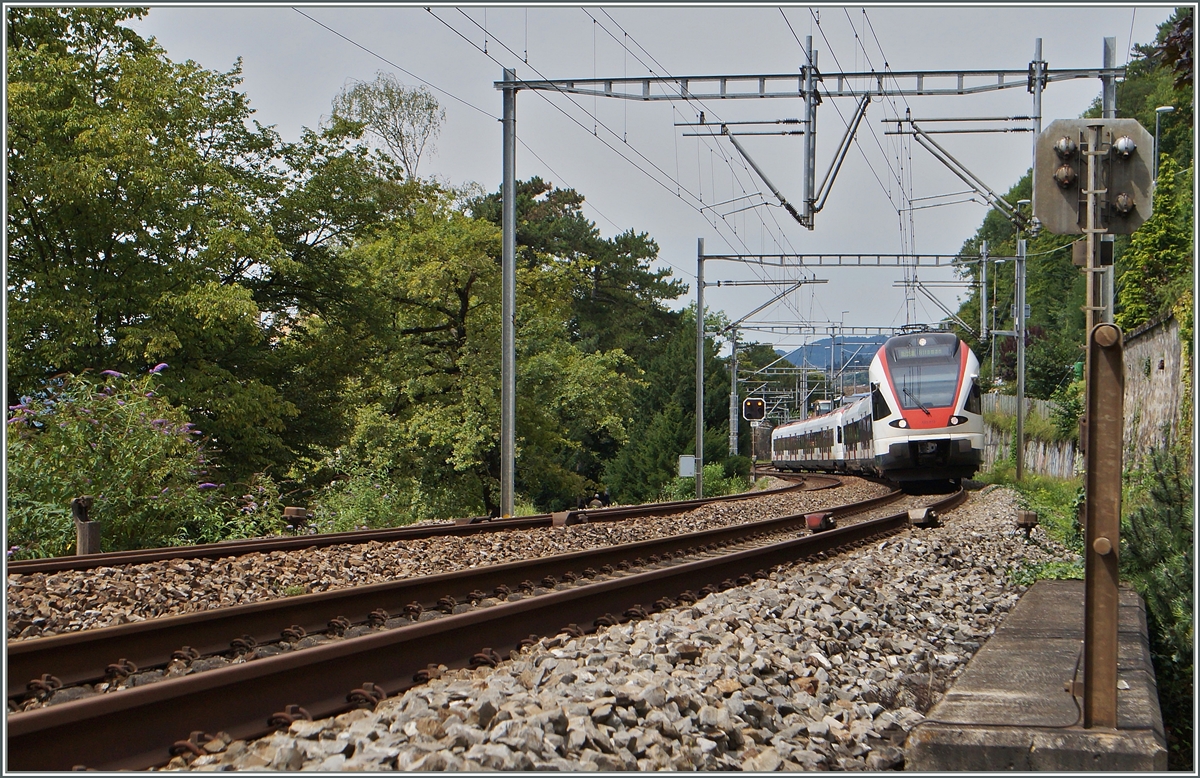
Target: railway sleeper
246, 648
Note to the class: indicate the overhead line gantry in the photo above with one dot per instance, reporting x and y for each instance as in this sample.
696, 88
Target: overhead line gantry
809, 84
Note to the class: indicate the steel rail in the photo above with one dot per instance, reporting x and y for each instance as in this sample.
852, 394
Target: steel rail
83, 657
387, 535
132, 730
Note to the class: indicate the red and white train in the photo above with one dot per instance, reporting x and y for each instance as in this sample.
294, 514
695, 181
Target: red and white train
922, 421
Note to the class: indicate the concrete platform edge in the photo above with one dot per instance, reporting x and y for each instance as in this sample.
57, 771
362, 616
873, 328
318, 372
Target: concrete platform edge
1004, 711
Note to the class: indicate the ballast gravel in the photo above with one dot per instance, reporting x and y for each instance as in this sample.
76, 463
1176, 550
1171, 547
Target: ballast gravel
42, 604
823, 666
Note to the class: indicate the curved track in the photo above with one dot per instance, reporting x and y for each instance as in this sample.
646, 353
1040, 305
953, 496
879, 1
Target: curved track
131, 728
460, 527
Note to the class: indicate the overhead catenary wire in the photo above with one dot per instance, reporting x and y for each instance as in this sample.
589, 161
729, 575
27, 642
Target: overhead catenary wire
718, 149
680, 187
727, 158
467, 103
708, 109
581, 125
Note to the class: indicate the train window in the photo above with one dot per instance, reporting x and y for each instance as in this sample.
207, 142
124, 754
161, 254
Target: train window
974, 399
879, 405
924, 370
925, 386
839, 434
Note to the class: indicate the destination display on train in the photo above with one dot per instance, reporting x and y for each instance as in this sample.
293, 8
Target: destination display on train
921, 352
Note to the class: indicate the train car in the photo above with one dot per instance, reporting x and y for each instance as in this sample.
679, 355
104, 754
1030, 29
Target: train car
921, 422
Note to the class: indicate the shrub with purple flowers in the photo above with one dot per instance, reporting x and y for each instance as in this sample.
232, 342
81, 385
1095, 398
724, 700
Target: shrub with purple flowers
113, 437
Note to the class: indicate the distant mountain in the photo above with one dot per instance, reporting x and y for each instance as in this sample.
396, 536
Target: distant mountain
855, 351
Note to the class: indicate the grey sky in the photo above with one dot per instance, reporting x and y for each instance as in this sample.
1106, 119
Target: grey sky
293, 67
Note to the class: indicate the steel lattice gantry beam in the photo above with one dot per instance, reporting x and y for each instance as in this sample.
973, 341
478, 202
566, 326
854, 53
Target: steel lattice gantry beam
844, 260
908, 83
836, 330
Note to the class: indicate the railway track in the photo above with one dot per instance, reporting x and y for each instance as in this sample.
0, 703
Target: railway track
132, 728
461, 527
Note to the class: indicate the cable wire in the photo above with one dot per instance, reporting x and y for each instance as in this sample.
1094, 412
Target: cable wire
408, 73
470, 105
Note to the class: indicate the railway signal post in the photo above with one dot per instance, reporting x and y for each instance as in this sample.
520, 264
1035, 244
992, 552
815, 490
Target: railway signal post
1093, 178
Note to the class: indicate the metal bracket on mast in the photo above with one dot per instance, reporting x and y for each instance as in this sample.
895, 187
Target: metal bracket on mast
817, 202
970, 179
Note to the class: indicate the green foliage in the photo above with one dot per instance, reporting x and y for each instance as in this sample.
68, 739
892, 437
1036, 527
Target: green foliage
404, 119
362, 500
1157, 558
717, 483
1057, 503
1029, 574
1067, 411
117, 439
135, 208
1035, 427
426, 398
1158, 274
1157, 548
664, 425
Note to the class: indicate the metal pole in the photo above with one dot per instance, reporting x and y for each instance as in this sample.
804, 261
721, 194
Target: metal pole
1038, 76
983, 273
1095, 304
1109, 97
1109, 100
699, 368
733, 395
1105, 414
1019, 441
1154, 161
802, 391
508, 298
810, 137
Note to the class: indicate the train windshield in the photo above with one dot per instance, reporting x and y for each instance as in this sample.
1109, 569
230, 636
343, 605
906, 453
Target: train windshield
925, 371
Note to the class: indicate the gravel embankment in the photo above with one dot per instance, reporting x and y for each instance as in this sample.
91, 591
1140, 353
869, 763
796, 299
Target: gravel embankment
49, 604
825, 666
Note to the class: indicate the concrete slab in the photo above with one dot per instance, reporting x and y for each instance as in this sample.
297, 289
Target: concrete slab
1008, 709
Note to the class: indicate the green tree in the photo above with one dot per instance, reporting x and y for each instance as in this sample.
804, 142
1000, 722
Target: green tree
617, 300
136, 192
427, 396
664, 422
403, 119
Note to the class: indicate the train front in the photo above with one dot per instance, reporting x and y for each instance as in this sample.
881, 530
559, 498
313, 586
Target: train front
926, 408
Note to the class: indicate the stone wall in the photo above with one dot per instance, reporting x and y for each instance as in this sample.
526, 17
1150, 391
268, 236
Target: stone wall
1060, 459
1153, 386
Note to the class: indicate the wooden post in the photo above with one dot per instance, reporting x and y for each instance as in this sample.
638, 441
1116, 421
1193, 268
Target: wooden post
87, 532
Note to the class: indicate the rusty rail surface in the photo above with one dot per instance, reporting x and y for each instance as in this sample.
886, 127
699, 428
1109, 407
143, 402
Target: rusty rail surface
133, 729
386, 535
84, 656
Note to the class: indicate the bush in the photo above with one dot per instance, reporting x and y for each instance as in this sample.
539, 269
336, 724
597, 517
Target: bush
716, 484
1068, 408
1157, 535
363, 499
113, 437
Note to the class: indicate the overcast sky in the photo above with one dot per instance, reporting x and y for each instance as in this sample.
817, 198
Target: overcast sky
293, 67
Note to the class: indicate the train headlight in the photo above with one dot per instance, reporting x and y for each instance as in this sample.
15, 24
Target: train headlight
901, 423
956, 420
